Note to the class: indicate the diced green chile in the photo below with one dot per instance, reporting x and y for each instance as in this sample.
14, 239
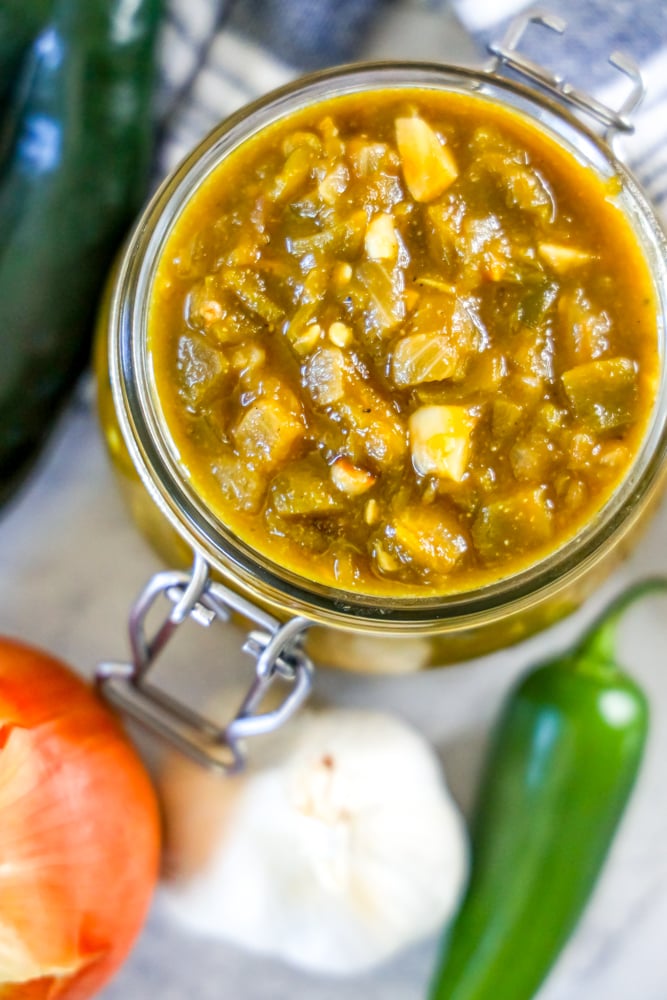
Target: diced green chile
603, 393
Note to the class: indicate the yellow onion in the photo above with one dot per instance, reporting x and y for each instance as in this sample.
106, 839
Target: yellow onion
79, 833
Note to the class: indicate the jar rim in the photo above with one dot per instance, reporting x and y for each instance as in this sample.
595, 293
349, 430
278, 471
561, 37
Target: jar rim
146, 436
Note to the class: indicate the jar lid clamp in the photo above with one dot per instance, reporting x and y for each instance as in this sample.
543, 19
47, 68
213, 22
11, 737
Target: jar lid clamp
506, 54
275, 646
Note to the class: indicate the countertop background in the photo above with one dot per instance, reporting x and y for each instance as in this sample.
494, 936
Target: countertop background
71, 563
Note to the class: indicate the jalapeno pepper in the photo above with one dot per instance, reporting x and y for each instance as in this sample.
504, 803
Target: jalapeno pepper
560, 771
20, 22
73, 180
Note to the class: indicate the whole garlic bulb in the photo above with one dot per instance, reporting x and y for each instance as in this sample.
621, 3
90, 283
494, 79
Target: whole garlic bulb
346, 848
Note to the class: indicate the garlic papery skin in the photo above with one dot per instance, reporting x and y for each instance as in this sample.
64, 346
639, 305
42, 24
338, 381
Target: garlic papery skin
345, 850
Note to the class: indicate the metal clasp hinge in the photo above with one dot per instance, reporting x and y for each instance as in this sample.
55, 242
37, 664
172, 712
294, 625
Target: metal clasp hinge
275, 646
505, 52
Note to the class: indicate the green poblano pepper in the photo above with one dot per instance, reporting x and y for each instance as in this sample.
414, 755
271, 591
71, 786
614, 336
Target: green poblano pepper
561, 766
69, 187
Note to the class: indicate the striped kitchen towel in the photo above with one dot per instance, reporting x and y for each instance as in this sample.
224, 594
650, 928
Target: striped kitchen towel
595, 29
218, 55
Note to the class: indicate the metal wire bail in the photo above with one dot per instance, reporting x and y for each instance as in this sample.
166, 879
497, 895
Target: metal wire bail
505, 53
275, 646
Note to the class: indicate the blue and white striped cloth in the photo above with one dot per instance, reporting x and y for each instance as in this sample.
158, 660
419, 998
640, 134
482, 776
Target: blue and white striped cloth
217, 55
595, 29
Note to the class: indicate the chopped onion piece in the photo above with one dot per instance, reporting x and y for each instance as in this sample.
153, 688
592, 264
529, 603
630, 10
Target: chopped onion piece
440, 440
428, 166
381, 242
424, 357
562, 258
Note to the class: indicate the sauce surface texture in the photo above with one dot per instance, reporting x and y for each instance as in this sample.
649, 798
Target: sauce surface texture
404, 343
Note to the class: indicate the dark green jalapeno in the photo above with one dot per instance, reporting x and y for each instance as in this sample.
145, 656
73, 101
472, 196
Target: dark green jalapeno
75, 175
20, 22
560, 770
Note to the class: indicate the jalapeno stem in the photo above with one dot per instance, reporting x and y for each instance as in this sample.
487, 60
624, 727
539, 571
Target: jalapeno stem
599, 644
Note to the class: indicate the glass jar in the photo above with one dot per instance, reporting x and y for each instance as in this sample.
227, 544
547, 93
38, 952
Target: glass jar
348, 630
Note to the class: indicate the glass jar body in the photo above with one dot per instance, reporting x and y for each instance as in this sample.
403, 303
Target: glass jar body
355, 632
